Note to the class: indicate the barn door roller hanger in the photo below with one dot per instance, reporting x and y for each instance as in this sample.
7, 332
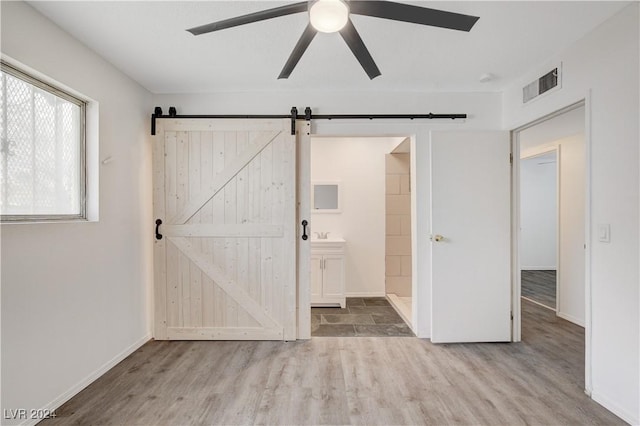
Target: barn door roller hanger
308, 116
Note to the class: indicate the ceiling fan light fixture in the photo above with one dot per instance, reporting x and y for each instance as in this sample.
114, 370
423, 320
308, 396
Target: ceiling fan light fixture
328, 16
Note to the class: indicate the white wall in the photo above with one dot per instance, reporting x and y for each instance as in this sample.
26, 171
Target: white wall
568, 216
359, 165
571, 275
75, 295
538, 212
603, 66
483, 109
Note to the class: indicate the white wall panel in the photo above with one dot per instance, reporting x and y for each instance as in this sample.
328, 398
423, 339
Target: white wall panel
538, 213
603, 66
483, 110
75, 296
359, 165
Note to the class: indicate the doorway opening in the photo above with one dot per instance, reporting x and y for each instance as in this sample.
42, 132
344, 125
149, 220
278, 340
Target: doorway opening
539, 227
348, 204
550, 176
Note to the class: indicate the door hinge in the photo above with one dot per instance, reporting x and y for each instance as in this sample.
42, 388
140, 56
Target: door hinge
511, 315
511, 158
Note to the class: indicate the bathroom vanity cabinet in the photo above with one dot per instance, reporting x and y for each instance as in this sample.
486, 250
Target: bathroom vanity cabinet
327, 272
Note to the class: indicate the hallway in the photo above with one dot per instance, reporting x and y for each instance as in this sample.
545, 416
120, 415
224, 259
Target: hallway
540, 287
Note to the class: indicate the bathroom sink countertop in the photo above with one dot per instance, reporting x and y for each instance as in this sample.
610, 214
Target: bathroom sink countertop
328, 240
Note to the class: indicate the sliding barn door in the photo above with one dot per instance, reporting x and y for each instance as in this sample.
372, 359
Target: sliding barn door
225, 266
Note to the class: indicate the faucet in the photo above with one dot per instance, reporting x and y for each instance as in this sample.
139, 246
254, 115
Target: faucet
321, 235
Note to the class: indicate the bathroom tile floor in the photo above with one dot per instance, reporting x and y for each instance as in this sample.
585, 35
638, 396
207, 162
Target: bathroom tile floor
363, 316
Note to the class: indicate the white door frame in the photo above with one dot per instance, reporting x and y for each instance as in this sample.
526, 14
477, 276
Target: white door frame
303, 184
515, 223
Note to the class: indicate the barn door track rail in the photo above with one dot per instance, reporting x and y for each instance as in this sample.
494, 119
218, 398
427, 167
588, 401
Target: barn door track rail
308, 116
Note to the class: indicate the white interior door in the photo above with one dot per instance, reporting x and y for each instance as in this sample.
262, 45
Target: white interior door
471, 222
225, 267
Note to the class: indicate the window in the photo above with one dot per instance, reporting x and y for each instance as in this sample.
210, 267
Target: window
42, 150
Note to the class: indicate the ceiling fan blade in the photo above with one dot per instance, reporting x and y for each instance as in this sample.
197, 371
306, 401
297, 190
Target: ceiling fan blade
251, 17
301, 46
355, 43
414, 14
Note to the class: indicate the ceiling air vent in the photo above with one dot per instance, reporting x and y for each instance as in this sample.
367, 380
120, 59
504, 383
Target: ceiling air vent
541, 85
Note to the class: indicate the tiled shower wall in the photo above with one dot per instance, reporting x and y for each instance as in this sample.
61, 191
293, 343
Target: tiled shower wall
398, 225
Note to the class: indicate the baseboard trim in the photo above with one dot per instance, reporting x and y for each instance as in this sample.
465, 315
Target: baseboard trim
400, 309
537, 303
75, 389
538, 268
615, 408
366, 294
571, 318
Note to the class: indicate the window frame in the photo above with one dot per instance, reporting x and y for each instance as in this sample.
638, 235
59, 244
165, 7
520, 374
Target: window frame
82, 104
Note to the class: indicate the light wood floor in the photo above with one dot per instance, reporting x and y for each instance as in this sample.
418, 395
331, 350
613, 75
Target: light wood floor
338, 380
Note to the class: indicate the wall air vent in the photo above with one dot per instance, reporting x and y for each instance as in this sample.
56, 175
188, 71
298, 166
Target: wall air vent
541, 85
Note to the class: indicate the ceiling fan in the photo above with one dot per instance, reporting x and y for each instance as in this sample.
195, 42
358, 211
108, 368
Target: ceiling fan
330, 16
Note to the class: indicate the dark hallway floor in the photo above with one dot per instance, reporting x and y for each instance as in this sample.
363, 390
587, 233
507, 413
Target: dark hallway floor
540, 286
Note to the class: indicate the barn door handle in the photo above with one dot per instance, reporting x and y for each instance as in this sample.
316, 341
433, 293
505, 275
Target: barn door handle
304, 230
158, 234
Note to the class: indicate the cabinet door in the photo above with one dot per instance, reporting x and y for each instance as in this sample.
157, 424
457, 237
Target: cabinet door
333, 276
316, 278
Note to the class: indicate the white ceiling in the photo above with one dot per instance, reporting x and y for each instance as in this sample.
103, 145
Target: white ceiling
542, 159
545, 133
147, 40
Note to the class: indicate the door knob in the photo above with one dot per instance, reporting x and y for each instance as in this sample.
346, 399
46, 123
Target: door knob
437, 238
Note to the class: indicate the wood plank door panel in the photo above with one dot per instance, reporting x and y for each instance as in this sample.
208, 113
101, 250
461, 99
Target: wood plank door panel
225, 268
